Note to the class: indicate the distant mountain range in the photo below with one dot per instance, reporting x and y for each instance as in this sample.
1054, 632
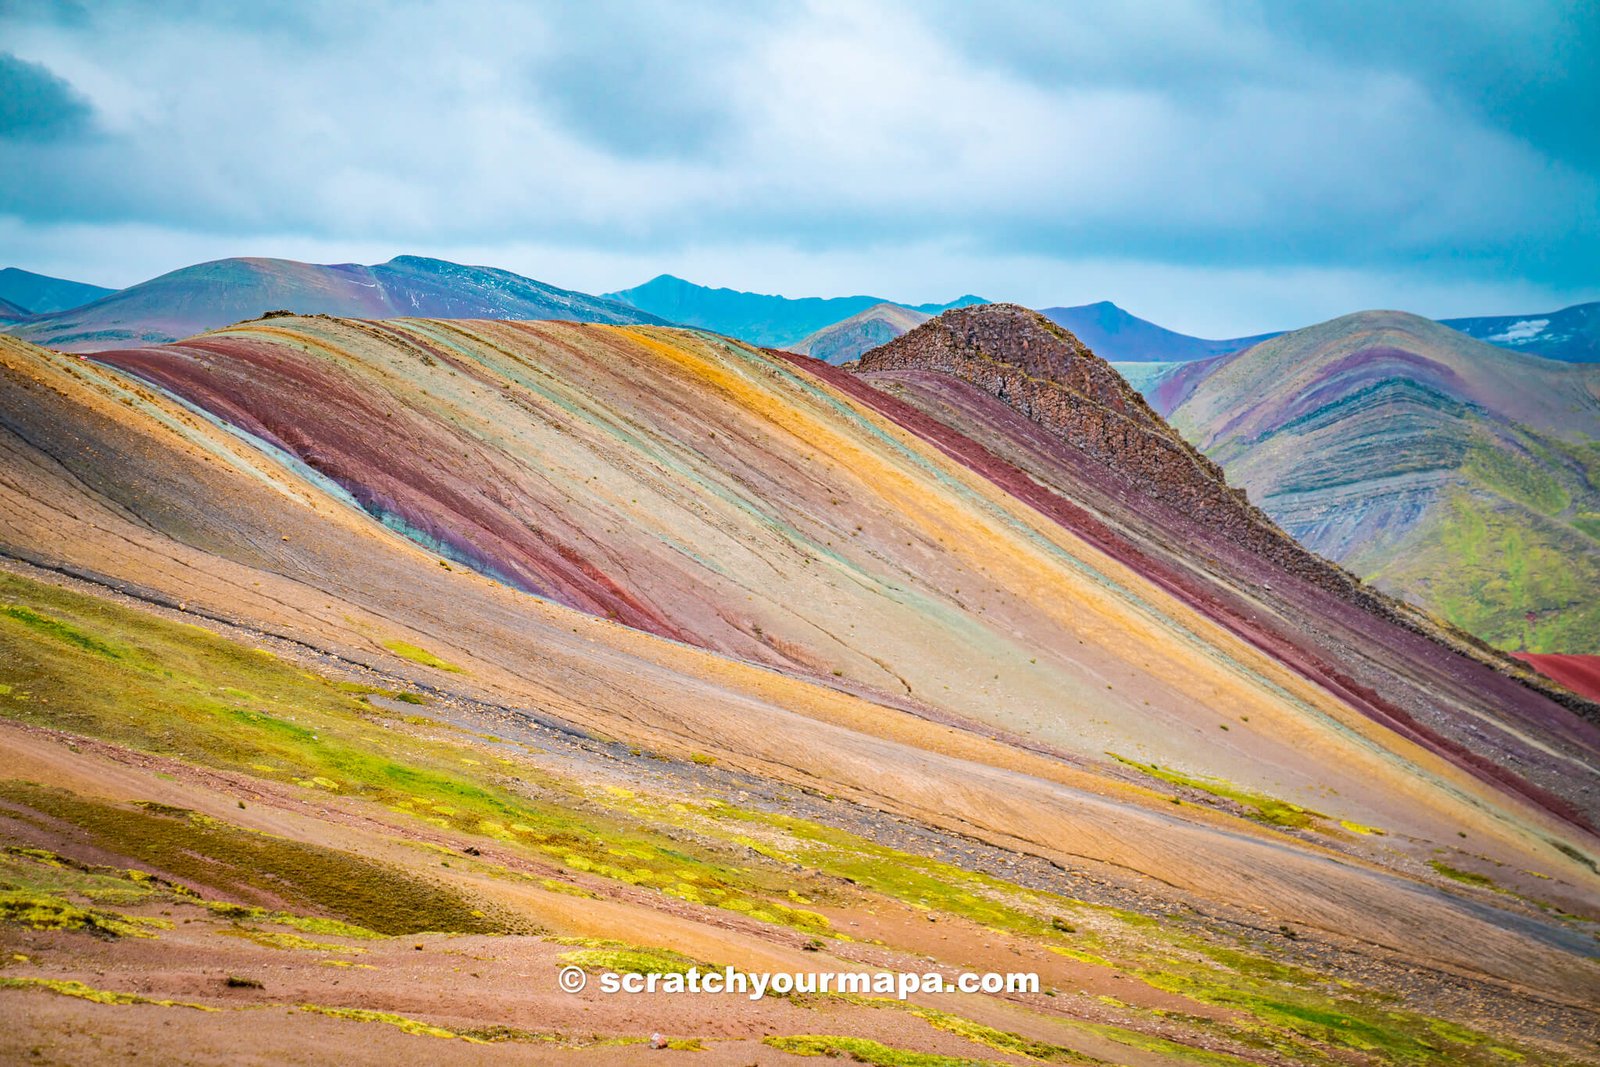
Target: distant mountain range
1571, 334
1113, 334
40, 294
1455, 474
208, 295
756, 318
77, 316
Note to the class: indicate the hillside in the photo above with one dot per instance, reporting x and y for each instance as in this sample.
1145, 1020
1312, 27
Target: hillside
208, 295
848, 338
41, 294
10, 312
1115, 335
1571, 334
537, 644
1455, 474
755, 318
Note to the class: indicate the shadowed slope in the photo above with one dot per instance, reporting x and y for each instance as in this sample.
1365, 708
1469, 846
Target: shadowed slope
10, 312
208, 295
42, 294
1457, 475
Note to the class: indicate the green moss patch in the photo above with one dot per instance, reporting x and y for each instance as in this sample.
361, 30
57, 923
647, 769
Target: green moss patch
1456, 874
90, 993
400, 1022
1258, 806
634, 960
863, 1050
421, 656
40, 911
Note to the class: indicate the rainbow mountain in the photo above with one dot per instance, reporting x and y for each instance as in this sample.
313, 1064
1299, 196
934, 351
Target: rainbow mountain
638, 647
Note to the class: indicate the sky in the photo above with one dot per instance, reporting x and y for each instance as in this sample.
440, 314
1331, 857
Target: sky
1222, 168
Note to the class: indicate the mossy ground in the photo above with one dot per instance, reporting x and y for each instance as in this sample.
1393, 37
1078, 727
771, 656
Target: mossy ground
86, 992
86, 666
89, 667
421, 656
258, 867
863, 1050
1512, 553
1258, 806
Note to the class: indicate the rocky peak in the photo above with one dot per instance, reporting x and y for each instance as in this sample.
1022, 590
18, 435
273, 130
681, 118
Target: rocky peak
1046, 374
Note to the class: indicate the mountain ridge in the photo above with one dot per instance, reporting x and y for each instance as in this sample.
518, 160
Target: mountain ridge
210, 295
1120, 336
1571, 334
761, 319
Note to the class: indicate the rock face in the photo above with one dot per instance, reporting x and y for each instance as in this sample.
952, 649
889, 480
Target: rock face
1046, 374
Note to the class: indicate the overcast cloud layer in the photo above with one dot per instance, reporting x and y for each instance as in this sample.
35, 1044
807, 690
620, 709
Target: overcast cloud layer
1220, 167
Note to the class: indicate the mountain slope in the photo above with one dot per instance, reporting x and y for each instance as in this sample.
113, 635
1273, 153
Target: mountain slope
1447, 471
740, 654
209, 295
1571, 334
41, 294
848, 338
1115, 335
10, 312
756, 318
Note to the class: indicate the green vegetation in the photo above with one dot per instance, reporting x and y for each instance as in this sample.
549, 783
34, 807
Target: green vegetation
421, 656
1516, 476
1515, 578
91, 667
1258, 806
304, 923
410, 1026
634, 960
182, 692
866, 1051
86, 992
1458, 875
288, 942
44, 912
1162, 1046
976, 1032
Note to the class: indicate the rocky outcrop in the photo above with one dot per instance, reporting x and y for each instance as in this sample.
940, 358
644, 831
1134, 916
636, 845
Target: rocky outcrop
1045, 373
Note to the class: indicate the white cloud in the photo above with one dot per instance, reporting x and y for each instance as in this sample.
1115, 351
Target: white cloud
1038, 138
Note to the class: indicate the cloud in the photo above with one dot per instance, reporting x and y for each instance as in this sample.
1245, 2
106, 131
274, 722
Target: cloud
36, 105
1221, 136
